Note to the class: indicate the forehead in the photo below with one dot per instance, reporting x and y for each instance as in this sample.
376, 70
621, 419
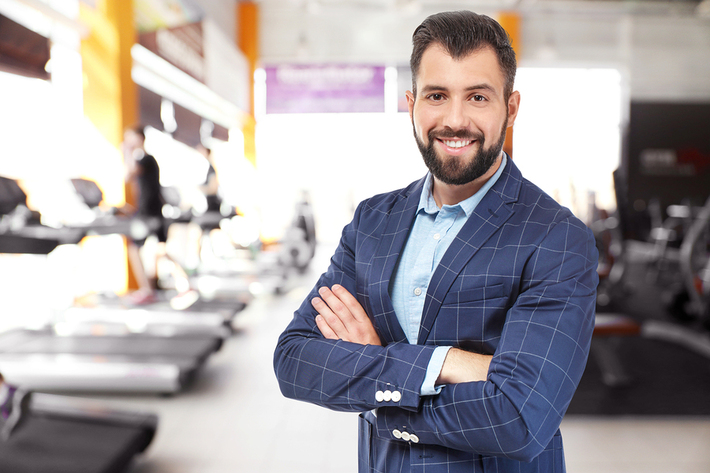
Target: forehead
439, 69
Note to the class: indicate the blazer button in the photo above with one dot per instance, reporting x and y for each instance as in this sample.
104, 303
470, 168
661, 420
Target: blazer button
397, 434
413, 438
406, 436
396, 396
379, 396
387, 396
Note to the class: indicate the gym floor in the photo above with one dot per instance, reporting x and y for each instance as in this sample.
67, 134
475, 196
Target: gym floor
234, 418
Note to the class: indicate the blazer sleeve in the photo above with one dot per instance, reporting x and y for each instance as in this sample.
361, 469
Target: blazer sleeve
340, 375
535, 368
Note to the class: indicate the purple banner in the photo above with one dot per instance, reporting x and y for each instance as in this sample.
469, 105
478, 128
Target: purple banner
325, 89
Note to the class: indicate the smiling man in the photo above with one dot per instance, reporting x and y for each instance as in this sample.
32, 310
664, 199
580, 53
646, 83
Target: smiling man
463, 105
456, 314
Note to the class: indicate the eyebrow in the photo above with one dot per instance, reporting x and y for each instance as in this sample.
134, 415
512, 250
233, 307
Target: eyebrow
433, 88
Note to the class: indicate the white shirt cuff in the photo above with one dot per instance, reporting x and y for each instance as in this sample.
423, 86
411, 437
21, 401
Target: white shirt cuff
433, 371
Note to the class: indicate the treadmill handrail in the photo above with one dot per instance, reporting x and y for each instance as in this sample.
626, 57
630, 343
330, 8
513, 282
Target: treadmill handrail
687, 248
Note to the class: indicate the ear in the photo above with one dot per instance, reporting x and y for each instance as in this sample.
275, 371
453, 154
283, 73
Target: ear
410, 103
513, 106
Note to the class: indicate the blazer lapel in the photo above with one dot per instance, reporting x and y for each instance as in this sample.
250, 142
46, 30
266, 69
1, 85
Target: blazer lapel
384, 261
490, 214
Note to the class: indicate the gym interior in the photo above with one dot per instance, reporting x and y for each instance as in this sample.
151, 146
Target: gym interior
143, 342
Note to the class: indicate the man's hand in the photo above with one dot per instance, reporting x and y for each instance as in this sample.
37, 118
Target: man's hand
463, 367
341, 317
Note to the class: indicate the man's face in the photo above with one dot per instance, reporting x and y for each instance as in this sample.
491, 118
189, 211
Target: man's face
460, 113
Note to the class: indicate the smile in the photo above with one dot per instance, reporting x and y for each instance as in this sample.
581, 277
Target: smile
456, 143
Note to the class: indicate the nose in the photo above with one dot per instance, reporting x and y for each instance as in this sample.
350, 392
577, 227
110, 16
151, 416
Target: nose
456, 117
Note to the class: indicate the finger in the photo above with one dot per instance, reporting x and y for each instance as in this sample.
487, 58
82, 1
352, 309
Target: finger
331, 318
325, 328
359, 326
337, 307
350, 302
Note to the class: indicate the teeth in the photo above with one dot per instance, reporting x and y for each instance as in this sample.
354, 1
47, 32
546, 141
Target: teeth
456, 144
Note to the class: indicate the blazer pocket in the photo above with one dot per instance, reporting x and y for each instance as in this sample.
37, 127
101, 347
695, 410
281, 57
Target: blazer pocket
475, 294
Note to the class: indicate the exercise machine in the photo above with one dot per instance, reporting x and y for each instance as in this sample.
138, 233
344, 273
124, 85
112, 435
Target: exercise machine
48, 360
657, 242
47, 433
200, 315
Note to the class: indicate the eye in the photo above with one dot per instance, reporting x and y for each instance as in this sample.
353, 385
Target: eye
435, 97
478, 98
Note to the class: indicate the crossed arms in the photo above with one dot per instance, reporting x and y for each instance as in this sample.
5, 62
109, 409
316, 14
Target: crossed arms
506, 403
341, 317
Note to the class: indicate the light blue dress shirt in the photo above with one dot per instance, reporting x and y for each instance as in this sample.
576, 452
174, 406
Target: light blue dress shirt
433, 231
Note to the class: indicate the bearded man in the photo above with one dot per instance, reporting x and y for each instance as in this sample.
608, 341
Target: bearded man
456, 315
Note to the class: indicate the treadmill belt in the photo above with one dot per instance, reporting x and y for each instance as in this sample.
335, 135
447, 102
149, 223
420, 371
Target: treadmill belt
230, 306
44, 361
56, 445
47, 343
227, 307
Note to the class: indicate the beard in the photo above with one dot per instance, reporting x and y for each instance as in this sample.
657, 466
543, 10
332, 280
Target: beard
456, 171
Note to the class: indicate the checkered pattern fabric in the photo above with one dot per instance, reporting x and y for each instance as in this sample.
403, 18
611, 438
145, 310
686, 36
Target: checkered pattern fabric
518, 282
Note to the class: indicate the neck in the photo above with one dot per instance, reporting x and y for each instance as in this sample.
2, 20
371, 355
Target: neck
451, 194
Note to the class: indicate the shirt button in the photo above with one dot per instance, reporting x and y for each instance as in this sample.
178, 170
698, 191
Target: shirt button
397, 434
379, 396
436, 236
387, 396
418, 291
396, 396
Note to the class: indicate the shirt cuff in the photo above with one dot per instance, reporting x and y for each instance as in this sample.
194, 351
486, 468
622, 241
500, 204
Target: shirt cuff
433, 371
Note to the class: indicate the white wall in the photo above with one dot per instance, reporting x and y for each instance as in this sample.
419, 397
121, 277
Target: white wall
663, 58
662, 48
339, 159
223, 14
227, 70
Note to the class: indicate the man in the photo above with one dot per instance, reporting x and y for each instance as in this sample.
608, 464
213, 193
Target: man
457, 313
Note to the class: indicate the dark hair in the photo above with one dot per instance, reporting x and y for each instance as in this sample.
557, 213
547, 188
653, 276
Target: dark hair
461, 33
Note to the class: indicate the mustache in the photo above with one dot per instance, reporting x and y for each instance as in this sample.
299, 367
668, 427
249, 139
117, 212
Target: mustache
459, 134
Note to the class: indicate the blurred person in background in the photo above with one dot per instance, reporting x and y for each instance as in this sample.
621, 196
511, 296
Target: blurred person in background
143, 187
210, 188
456, 314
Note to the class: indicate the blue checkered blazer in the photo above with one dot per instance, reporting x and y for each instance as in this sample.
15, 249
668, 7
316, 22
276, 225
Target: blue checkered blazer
519, 282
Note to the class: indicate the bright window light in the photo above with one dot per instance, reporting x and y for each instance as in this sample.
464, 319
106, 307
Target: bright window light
567, 135
339, 159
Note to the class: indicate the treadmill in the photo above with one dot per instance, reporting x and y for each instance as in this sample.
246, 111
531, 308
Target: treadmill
113, 314
225, 278
271, 271
48, 360
60, 434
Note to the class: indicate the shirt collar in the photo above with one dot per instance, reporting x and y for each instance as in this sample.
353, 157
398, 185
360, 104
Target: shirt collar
428, 204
